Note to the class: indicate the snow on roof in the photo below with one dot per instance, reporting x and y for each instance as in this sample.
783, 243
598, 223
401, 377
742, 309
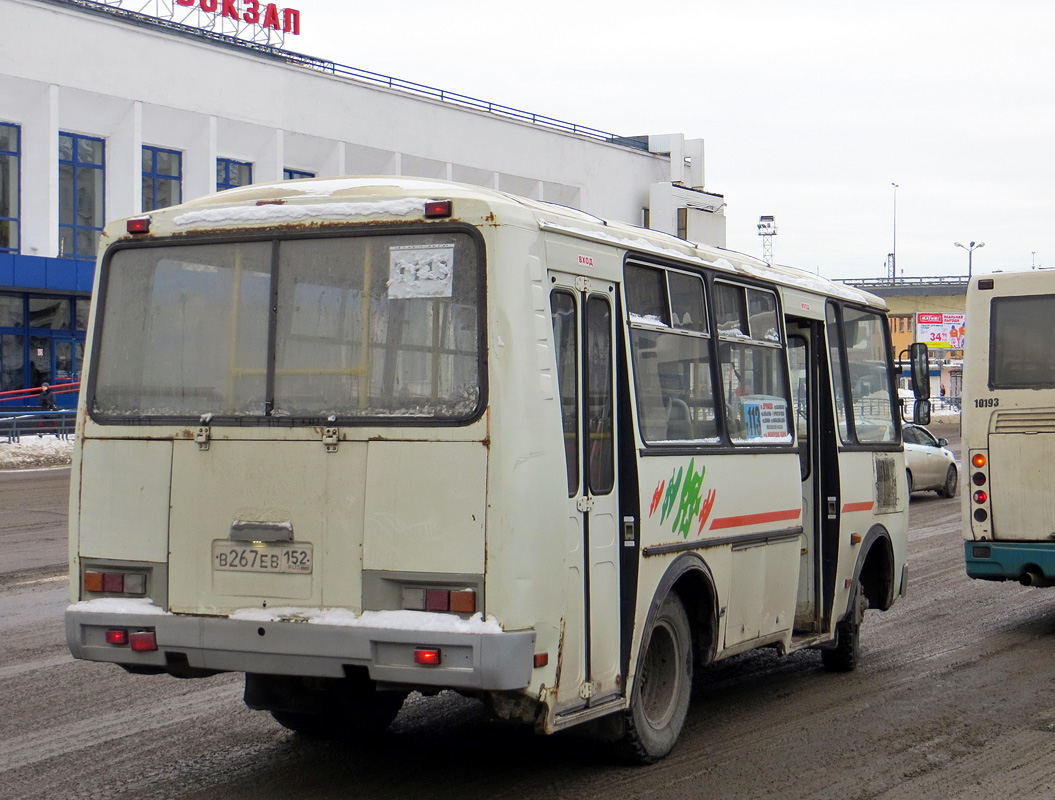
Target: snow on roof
275, 214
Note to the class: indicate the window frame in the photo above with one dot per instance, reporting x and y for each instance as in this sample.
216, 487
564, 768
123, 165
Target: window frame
14, 222
276, 238
157, 177
850, 440
77, 165
289, 174
227, 163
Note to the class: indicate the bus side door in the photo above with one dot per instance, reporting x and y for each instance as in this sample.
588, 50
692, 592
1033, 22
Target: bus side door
583, 314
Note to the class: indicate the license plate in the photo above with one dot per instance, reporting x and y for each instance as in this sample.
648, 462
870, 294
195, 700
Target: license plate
280, 557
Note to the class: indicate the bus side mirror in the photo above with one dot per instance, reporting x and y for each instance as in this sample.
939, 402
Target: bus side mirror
921, 412
919, 362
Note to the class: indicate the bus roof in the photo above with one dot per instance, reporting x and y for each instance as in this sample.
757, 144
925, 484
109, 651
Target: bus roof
316, 201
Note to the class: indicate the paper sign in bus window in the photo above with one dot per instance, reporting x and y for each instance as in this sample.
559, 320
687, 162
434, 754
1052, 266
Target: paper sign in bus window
766, 417
421, 271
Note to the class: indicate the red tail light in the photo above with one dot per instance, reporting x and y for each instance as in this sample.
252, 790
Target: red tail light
143, 641
438, 209
117, 636
427, 656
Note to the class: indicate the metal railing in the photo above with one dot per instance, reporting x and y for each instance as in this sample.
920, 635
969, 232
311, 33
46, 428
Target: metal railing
364, 76
19, 423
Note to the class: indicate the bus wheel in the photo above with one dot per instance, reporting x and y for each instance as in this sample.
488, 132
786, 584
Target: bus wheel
660, 699
949, 489
847, 651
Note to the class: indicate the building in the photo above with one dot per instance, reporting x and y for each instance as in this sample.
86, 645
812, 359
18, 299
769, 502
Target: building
107, 112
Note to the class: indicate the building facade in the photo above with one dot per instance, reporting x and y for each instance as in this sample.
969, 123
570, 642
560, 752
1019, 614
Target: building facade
108, 113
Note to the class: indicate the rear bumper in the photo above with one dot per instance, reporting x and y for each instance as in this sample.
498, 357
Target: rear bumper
1000, 561
484, 661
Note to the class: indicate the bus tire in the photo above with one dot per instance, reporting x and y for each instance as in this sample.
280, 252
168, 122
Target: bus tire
659, 703
847, 651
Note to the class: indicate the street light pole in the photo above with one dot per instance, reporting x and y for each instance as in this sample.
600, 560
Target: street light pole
893, 253
970, 251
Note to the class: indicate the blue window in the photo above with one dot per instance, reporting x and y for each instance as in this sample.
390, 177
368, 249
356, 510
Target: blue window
10, 152
82, 189
231, 173
296, 174
162, 178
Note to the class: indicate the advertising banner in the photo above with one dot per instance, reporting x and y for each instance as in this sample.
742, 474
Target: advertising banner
940, 330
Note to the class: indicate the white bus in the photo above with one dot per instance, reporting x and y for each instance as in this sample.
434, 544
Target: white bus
360, 437
1008, 425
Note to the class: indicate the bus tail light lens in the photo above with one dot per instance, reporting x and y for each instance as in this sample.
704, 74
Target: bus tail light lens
438, 209
139, 225
978, 460
143, 641
427, 656
117, 637
980, 496
128, 583
459, 601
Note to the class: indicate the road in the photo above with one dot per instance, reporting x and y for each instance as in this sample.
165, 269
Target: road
955, 698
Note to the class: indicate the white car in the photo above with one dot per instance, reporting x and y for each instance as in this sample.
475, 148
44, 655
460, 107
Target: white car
929, 463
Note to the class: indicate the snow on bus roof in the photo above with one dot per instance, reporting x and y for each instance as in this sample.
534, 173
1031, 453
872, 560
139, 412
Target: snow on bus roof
282, 214
231, 207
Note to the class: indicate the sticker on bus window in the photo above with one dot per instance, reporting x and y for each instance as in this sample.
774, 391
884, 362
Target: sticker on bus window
421, 271
766, 417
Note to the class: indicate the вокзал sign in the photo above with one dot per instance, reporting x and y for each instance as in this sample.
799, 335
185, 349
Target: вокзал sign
252, 12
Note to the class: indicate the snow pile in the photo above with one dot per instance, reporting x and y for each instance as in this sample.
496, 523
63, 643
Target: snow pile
35, 452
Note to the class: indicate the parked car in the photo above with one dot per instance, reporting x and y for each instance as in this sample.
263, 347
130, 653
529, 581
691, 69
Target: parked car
929, 462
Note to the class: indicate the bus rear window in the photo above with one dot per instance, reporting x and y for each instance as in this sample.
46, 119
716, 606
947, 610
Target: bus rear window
1022, 345
366, 327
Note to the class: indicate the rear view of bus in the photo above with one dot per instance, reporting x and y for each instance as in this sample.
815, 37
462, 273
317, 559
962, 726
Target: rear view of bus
1009, 428
366, 436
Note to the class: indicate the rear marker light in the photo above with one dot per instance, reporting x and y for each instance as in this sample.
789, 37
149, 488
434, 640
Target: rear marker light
113, 582
541, 660
414, 599
435, 209
427, 656
463, 602
978, 460
143, 641
460, 601
437, 600
140, 225
117, 636
980, 496
93, 581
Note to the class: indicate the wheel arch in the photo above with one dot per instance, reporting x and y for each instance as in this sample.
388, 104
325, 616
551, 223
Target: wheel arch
875, 569
690, 578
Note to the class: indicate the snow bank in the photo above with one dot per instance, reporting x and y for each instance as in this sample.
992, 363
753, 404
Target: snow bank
35, 452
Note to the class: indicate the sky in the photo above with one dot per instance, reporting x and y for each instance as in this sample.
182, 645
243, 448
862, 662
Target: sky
810, 111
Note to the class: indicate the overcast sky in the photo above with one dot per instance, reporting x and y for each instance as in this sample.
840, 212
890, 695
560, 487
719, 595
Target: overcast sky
809, 110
